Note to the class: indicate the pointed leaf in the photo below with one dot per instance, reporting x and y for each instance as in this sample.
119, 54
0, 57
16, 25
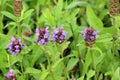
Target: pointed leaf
71, 63
93, 20
9, 15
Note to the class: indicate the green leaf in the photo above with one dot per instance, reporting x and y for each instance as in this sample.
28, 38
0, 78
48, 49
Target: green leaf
50, 20
10, 24
77, 3
32, 70
93, 20
12, 30
60, 4
110, 30
21, 78
27, 14
81, 78
117, 20
56, 63
14, 59
1, 78
103, 13
2, 2
35, 55
26, 50
90, 74
104, 38
108, 73
5, 39
116, 75
41, 2
3, 58
98, 60
71, 63
43, 75
9, 15
87, 63
64, 46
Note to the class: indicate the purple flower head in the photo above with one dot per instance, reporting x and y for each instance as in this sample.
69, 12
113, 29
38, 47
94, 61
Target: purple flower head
89, 36
15, 46
59, 35
10, 75
43, 36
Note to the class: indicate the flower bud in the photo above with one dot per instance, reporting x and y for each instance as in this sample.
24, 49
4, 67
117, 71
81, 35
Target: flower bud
17, 8
114, 7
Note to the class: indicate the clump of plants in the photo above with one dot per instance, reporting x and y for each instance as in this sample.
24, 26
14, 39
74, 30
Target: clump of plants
59, 40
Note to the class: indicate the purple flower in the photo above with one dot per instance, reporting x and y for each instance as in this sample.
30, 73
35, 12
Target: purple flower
43, 36
10, 75
59, 35
15, 46
89, 36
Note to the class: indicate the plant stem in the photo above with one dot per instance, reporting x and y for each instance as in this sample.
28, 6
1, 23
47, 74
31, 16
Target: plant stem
61, 53
49, 64
22, 69
9, 61
65, 71
55, 2
113, 46
72, 31
18, 26
1, 24
79, 53
94, 67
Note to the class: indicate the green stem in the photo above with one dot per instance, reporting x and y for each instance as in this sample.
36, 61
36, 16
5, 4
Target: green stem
113, 46
79, 57
72, 31
22, 69
113, 52
8, 57
61, 53
94, 67
65, 71
49, 64
79, 52
1, 24
18, 26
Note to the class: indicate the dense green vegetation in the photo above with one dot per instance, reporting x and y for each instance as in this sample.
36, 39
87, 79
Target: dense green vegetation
59, 40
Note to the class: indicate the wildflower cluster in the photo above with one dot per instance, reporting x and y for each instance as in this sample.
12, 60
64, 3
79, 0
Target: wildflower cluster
15, 46
89, 36
59, 35
10, 75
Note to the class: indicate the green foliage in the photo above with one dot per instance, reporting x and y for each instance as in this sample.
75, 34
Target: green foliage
9, 15
70, 59
93, 20
71, 63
